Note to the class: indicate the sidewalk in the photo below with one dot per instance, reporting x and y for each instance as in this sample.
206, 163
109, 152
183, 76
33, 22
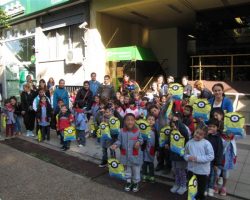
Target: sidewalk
238, 184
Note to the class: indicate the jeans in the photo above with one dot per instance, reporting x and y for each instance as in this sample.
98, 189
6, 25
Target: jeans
81, 137
132, 173
18, 124
105, 154
148, 168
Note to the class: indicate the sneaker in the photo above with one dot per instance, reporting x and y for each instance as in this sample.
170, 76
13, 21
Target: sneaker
181, 190
31, 134
205, 193
128, 186
65, 149
151, 179
80, 145
103, 164
210, 192
220, 181
144, 178
223, 191
174, 189
27, 133
216, 189
135, 187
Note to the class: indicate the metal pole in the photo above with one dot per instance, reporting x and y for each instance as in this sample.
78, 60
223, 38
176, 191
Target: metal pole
232, 68
199, 67
192, 69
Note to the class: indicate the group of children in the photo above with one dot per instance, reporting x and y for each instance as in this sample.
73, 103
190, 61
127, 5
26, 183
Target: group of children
191, 146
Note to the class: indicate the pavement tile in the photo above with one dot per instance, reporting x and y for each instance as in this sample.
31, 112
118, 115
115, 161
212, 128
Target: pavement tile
242, 190
245, 178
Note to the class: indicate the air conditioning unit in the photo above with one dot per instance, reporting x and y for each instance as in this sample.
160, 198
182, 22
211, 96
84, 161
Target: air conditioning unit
73, 58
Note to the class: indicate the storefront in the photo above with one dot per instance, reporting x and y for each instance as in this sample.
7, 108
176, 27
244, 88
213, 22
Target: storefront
44, 40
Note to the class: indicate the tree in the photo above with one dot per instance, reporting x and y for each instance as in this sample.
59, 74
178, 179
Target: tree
4, 19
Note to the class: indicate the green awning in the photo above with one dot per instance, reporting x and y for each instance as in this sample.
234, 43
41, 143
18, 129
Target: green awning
133, 53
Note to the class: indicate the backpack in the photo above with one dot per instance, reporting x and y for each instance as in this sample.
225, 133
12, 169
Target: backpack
177, 142
164, 135
116, 169
69, 133
176, 90
192, 188
105, 131
144, 127
234, 123
201, 109
114, 125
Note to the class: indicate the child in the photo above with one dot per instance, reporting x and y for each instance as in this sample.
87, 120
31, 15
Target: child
149, 152
65, 118
188, 118
126, 102
229, 159
161, 120
105, 143
179, 131
17, 114
132, 109
199, 153
10, 119
55, 116
143, 109
118, 95
216, 142
218, 113
163, 100
137, 99
81, 123
43, 116
130, 141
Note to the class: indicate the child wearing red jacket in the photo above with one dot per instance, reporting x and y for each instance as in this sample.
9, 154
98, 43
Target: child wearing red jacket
65, 118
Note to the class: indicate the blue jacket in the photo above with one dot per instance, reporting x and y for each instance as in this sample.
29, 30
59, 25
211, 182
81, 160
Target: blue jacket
60, 93
126, 141
93, 86
225, 105
80, 120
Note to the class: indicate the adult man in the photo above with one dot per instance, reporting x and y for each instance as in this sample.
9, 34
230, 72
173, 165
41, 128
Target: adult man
94, 84
60, 93
106, 90
84, 96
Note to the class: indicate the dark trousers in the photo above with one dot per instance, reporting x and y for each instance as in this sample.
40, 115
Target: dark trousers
202, 184
148, 168
9, 130
164, 157
80, 135
45, 132
29, 120
66, 144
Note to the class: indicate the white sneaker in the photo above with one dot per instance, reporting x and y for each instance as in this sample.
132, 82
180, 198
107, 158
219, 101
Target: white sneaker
174, 189
210, 192
220, 181
80, 145
205, 193
32, 134
27, 133
181, 190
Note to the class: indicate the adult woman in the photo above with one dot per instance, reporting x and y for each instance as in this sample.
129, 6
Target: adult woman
42, 86
51, 83
27, 97
161, 86
219, 100
204, 92
128, 86
152, 92
187, 91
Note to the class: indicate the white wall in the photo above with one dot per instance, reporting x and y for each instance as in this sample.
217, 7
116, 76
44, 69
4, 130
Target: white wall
164, 44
